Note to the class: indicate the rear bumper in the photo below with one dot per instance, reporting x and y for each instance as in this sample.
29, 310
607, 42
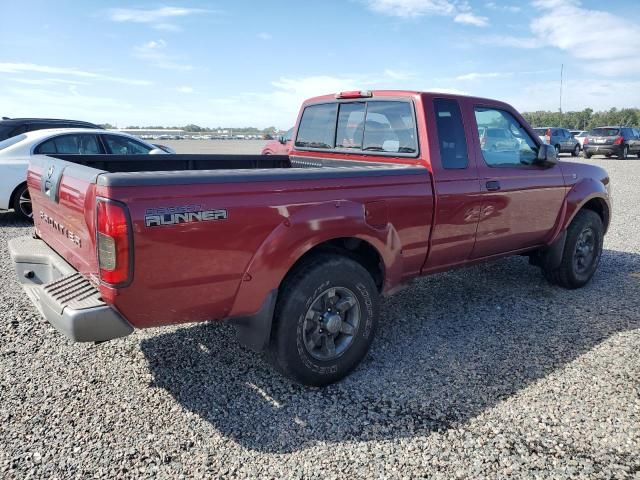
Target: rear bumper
603, 149
67, 299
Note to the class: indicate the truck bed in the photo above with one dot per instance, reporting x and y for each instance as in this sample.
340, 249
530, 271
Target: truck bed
274, 208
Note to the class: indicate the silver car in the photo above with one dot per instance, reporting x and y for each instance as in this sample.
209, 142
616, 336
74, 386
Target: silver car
560, 138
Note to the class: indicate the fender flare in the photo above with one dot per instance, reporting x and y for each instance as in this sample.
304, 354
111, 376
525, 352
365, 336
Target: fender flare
298, 234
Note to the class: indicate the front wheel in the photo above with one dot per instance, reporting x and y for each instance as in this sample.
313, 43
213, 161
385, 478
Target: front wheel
325, 320
22, 202
587, 154
582, 251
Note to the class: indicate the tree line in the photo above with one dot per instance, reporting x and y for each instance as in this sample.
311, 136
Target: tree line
585, 119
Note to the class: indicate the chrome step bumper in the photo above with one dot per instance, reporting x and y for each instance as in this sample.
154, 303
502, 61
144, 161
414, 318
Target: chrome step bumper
66, 298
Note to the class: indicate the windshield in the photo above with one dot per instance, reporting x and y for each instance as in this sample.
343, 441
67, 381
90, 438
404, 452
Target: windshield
604, 132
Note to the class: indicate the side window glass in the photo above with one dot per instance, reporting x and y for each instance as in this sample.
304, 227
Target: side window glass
119, 145
451, 137
47, 147
88, 145
317, 126
350, 128
389, 127
68, 144
503, 141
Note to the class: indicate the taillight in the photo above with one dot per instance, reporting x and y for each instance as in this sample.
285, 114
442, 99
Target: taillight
618, 140
113, 241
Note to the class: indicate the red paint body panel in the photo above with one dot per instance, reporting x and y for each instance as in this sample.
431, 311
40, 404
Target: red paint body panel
429, 220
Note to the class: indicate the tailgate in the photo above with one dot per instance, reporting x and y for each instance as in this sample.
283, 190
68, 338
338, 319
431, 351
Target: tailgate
63, 198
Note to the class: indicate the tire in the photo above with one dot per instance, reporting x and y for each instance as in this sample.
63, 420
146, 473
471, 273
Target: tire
582, 251
22, 202
587, 154
557, 147
576, 151
625, 153
344, 298
638, 154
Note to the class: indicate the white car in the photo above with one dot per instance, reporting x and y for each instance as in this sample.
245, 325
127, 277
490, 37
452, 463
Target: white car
15, 153
580, 135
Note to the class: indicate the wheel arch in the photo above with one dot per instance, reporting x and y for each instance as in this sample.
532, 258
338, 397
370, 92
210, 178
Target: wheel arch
14, 193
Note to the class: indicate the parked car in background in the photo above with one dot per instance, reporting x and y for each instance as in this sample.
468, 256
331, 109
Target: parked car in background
279, 146
296, 251
497, 139
560, 138
16, 151
608, 141
10, 127
580, 135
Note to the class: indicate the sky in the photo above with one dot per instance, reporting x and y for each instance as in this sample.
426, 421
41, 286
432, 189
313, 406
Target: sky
251, 63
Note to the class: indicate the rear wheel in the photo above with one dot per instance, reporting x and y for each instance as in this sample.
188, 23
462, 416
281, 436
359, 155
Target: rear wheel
587, 154
576, 151
324, 321
582, 251
22, 202
625, 152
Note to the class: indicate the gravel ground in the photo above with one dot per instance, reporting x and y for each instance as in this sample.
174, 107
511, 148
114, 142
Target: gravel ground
485, 372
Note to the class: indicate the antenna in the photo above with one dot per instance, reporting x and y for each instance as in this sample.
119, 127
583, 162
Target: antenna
561, 73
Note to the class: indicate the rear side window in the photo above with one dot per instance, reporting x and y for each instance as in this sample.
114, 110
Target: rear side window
317, 126
70, 144
451, 138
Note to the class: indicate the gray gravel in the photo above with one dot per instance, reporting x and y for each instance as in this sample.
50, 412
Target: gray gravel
485, 372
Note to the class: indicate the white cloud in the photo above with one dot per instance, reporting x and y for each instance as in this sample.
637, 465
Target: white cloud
504, 8
185, 89
480, 76
154, 52
265, 36
599, 94
412, 8
398, 75
151, 15
509, 41
158, 18
609, 44
21, 68
471, 19
460, 11
594, 35
69, 103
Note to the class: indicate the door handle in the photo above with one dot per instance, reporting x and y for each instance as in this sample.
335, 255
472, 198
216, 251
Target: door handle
493, 185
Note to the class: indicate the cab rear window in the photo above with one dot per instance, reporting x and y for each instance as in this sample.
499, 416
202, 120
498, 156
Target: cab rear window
362, 127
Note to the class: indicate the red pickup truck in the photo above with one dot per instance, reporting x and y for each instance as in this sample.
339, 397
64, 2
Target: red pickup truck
295, 251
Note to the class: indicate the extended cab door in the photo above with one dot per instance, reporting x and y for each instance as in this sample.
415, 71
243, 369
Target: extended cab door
457, 189
521, 200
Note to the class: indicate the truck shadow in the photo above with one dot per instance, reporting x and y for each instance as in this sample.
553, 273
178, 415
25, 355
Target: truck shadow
12, 219
448, 348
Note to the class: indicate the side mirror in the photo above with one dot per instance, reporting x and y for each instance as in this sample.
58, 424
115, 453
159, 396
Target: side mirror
546, 155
